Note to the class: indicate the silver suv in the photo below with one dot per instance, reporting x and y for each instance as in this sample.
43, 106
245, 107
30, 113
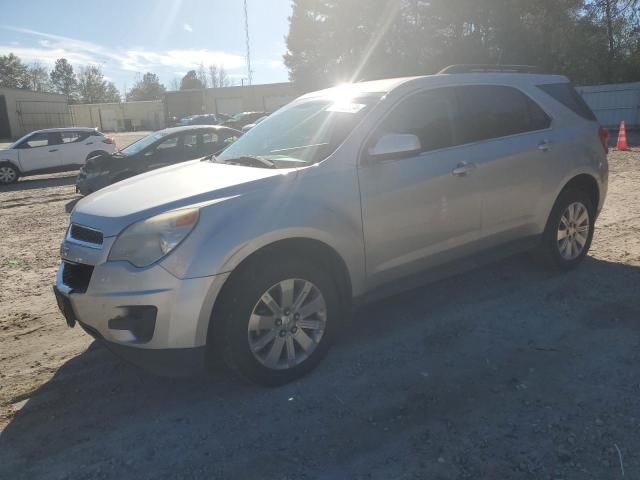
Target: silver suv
342, 196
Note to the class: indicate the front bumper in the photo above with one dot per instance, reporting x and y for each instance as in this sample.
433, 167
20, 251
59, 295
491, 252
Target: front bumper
148, 316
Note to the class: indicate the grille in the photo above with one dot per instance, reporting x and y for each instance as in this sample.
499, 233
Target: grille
85, 234
76, 276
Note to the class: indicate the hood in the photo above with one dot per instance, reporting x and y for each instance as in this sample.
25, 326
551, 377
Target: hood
117, 206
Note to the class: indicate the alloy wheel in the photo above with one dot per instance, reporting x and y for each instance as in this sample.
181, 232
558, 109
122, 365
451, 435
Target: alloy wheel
287, 324
573, 231
7, 175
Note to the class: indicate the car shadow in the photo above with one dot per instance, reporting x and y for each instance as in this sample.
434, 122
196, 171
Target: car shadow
470, 377
30, 183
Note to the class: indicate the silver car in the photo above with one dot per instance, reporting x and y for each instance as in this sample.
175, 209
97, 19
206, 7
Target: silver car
342, 196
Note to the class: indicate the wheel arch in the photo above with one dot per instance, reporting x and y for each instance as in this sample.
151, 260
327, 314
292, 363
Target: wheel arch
304, 247
4, 161
96, 153
586, 183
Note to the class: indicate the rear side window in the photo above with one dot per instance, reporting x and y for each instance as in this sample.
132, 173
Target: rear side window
491, 111
567, 95
209, 137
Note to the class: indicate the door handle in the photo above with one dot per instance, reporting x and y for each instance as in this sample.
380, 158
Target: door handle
53, 150
544, 145
463, 168
89, 143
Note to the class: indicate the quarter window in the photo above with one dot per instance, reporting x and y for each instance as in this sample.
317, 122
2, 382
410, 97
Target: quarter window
490, 111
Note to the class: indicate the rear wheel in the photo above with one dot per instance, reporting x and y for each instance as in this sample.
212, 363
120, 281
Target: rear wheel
8, 174
569, 231
278, 319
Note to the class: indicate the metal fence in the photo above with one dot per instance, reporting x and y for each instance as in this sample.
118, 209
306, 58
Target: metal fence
613, 103
39, 114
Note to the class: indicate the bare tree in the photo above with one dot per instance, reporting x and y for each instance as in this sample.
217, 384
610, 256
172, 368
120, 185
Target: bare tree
39, 77
214, 79
175, 84
223, 78
202, 76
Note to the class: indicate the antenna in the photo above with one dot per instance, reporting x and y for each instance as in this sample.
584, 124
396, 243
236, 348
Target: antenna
246, 32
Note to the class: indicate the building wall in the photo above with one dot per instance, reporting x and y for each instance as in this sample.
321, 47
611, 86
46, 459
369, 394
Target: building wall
229, 100
28, 110
613, 103
118, 117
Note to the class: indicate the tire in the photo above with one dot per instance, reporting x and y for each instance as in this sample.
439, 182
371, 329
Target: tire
560, 253
287, 353
8, 173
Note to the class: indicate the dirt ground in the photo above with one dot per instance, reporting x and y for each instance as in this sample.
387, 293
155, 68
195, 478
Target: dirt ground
505, 372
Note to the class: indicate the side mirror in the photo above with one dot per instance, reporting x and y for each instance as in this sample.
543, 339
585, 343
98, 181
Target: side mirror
395, 145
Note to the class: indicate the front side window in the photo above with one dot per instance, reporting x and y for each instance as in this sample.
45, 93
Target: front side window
169, 143
427, 115
36, 140
144, 142
305, 132
492, 111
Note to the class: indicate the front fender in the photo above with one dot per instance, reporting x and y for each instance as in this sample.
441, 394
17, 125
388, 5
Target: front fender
231, 230
10, 156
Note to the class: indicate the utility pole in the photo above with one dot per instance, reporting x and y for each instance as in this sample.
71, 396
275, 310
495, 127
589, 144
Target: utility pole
246, 32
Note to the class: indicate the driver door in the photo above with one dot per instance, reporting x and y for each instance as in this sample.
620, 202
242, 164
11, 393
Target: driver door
422, 210
167, 152
41, 151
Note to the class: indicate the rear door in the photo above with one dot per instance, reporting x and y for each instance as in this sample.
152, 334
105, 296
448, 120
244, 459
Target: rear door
40, 151
508, 139
73, 150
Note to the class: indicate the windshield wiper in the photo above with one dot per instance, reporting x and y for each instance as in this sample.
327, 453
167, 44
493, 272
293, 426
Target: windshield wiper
253, 160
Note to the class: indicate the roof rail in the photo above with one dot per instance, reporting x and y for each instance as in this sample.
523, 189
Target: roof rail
490, 69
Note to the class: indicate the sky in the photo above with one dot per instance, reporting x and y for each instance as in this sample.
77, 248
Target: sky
166, 37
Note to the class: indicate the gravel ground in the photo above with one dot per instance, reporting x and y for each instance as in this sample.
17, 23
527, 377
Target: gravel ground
509, 371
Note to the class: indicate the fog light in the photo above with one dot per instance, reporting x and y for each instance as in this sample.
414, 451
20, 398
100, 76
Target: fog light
140, 320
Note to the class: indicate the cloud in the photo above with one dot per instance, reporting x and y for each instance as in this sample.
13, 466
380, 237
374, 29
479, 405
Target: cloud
187, 27
52, 47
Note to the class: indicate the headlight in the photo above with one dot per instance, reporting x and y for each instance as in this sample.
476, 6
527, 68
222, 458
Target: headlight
147, 241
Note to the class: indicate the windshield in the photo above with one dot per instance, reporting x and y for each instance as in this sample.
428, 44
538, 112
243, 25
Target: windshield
144, 142
304, 132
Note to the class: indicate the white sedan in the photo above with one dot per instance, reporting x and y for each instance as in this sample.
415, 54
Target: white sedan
52, 150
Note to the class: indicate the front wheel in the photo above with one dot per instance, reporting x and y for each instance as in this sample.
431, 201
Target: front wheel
278, 320
8, 174
569, 231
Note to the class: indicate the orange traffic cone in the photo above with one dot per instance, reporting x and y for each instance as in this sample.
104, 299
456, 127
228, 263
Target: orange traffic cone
622, 138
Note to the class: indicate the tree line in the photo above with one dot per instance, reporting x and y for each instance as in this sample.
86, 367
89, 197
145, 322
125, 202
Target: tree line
591, 41
89, 85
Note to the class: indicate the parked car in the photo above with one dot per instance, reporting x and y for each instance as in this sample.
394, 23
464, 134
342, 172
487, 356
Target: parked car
249, 126
159, 149
206, 119
343, 196
239, 120
52, 150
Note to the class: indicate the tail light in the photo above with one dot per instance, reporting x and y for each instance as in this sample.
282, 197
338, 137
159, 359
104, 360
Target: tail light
603, 133
109, 141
